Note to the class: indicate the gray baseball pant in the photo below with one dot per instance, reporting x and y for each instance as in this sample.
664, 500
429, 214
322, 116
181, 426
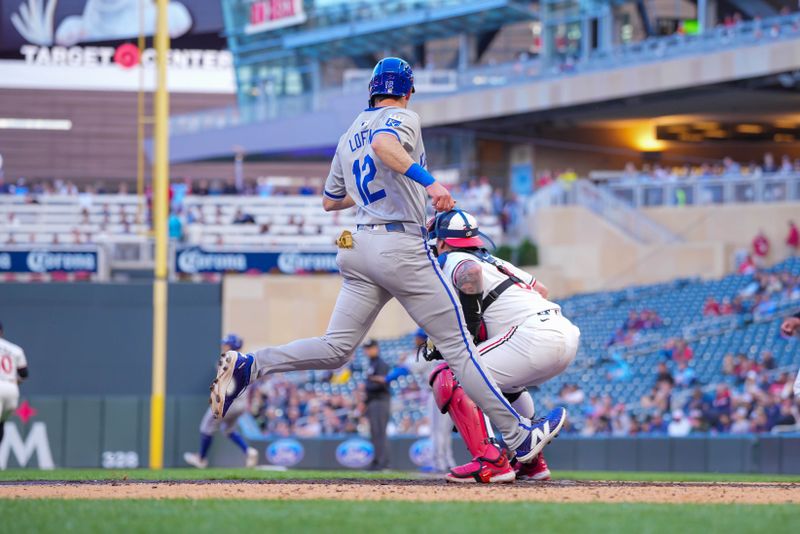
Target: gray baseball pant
382, 265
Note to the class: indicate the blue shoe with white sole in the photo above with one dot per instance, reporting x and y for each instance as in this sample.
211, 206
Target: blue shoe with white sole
543, 432
233, 377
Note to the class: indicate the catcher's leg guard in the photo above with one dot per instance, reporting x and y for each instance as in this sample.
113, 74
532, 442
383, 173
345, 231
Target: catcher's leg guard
468, 418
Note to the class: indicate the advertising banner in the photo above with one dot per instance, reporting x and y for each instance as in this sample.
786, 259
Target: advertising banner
194, 260
50, 259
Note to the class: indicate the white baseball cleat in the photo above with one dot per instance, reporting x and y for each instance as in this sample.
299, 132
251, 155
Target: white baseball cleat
252, 457
193, 459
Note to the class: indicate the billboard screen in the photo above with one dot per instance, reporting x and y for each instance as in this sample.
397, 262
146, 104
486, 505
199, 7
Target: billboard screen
67, 23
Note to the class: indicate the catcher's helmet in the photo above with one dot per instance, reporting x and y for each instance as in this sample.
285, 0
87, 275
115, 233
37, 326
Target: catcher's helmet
233, 341
458, 229
391, 76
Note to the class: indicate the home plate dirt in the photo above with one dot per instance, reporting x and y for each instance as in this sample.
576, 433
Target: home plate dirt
413, 490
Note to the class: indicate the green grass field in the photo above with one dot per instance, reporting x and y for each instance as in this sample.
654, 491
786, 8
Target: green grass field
182, 515
242, 474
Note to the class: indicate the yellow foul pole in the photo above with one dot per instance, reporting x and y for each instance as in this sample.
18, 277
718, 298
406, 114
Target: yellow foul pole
160, 214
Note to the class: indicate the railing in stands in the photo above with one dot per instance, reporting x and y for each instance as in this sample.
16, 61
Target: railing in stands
726, 189
615, 211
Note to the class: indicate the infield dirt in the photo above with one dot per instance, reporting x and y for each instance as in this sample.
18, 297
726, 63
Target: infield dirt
415, 490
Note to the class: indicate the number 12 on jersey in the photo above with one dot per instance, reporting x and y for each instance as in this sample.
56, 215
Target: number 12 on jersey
362, 181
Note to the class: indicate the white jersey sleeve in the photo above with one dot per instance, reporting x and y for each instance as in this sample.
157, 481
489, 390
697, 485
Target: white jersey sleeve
797, 386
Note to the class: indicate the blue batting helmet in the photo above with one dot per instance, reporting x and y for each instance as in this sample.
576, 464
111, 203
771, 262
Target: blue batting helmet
233, 341
458, 229
391, 76
421, 333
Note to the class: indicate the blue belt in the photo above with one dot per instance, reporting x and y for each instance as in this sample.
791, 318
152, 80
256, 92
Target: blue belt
390, 227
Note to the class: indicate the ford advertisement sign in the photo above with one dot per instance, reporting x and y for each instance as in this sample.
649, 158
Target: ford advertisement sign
285, 452
355, 453
194, 260
421, 452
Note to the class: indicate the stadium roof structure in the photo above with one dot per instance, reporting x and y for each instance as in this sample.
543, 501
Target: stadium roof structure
359, 28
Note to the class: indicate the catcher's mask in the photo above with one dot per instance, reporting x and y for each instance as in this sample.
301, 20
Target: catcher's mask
458, 229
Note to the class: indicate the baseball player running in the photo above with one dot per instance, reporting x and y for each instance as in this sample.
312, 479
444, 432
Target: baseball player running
523, 339
13, 370
210, 425
379, 167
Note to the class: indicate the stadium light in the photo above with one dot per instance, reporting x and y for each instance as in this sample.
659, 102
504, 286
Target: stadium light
9, 123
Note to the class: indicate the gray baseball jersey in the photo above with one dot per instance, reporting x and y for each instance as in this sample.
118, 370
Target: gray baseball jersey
384, 264
380, 194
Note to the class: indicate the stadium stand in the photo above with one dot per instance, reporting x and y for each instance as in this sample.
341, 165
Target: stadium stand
612, 387
210, 220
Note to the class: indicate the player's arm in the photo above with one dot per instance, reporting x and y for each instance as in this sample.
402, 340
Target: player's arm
791, 325
468, 279
334, 194
329, 204
22, 374
387, 147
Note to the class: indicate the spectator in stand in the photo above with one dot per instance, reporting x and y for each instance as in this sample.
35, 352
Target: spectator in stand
230, 187
769, 165
685, 376
243, 218
175, 225
201, 188
569, 175
711, 307
680, 426
793, 239
572, 394
730, 167
655, 424
740, 424
748, 266
545, 178
663, 374
786, 165
721, 405
768, 361
678, 350
760, 248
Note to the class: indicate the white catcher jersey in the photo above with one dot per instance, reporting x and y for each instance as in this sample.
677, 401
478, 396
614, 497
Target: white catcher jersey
381, 195
12, 357
515, 304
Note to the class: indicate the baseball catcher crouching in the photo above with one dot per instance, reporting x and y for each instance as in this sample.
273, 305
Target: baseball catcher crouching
522, 338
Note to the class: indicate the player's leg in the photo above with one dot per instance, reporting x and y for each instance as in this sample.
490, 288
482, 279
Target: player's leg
489, 463
208, 427
415, 279
532, 353
357, 306
228, 426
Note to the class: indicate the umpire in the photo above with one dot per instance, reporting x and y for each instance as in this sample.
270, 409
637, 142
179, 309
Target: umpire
378, 404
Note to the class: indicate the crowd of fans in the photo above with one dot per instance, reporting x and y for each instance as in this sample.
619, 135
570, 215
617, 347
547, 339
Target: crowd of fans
752, 398
770, 165
284, 405
636, 323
